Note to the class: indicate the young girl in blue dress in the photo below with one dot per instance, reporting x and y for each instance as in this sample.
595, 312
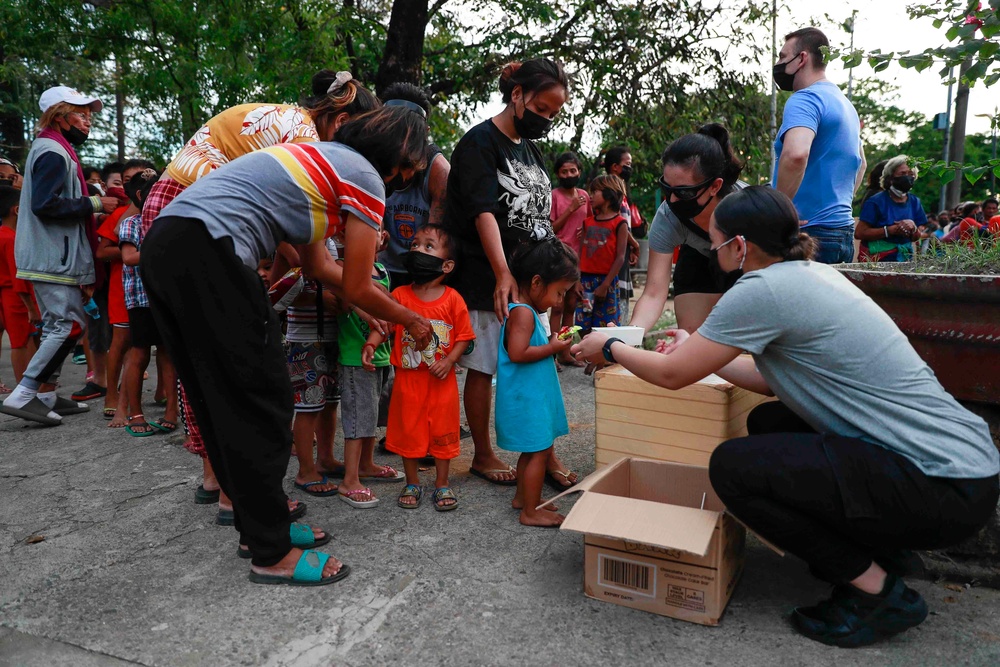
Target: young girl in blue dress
530, 413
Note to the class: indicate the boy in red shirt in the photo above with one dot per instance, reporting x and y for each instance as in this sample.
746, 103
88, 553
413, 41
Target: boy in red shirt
602, 255
423, 411
18, 313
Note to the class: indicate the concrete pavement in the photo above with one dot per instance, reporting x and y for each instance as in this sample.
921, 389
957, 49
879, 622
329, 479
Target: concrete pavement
131, 571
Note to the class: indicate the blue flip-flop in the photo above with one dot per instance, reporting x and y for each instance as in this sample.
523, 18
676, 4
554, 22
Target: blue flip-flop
308, 572
302, 538
307, 487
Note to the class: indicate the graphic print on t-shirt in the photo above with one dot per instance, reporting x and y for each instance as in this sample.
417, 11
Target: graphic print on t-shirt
595, 239
438, 349
526, 191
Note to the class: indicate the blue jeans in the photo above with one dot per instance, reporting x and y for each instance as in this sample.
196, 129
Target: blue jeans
833, 246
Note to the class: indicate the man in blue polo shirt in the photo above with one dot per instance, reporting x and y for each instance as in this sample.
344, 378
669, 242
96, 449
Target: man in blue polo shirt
821, 161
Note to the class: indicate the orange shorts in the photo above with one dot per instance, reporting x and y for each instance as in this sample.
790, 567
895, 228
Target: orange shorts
423, 415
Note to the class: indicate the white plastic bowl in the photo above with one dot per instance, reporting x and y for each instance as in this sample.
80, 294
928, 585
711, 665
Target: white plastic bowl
628, 335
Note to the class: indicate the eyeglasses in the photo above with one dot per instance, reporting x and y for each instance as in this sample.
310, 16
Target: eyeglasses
85, 117
683, 192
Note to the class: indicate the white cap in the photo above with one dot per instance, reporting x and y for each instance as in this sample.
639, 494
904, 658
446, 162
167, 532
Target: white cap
54, 96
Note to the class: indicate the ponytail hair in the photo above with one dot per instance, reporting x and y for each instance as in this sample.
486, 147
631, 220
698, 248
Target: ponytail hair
768, 219
334, 93
709, 152
550, 259
534, 76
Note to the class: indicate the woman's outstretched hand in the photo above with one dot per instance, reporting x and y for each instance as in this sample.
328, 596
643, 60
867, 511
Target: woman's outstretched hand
674, 338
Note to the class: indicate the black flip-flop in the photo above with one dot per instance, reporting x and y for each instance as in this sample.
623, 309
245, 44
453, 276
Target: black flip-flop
227, 518
553, 482
34, 410
203, 496
307, 487
65, 406
337, 471
498, 482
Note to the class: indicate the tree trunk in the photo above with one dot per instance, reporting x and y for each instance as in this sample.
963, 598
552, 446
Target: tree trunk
404, 44
956, 151
13, 143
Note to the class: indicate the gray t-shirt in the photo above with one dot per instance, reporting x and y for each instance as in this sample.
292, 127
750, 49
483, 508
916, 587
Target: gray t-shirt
837, 360
667, 232
299, 193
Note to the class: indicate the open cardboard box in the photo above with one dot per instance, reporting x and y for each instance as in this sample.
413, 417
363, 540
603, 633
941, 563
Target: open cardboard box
657, 538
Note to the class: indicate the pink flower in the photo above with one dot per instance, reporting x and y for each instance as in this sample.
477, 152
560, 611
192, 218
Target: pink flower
974, 20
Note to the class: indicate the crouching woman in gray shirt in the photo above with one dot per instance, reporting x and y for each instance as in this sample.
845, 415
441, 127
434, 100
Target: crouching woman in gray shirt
865, 457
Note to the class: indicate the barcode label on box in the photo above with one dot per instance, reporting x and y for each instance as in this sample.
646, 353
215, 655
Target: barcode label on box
627, 575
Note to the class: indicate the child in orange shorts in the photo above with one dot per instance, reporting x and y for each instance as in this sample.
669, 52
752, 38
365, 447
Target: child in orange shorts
18, 311
424, 409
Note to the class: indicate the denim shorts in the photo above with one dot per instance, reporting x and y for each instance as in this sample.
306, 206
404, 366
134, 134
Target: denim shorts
833, 245
360, 399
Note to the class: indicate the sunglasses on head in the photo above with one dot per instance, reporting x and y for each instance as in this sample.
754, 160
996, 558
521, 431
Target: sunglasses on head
684, 192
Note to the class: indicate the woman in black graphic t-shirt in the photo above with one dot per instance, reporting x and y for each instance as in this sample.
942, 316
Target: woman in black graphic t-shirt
499, 194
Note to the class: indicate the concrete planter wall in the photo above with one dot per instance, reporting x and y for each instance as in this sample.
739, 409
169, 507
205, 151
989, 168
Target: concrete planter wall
953, 323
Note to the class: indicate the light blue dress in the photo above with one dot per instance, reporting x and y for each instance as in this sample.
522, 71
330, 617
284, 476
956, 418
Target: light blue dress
530, 413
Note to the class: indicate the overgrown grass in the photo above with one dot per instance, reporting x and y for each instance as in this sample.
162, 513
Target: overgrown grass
980, 258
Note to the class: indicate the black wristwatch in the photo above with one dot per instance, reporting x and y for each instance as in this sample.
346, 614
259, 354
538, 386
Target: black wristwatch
608, 356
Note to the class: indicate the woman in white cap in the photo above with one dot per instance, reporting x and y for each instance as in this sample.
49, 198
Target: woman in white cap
54, 248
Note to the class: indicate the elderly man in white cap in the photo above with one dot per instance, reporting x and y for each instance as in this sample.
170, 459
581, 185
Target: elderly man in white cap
54, 248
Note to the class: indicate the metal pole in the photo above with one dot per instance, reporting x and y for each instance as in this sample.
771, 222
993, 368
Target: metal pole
850, 71
947, 140
993, 179
774, 87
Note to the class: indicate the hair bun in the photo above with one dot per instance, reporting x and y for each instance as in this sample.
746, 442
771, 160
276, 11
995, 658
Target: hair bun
800, 246
507, 77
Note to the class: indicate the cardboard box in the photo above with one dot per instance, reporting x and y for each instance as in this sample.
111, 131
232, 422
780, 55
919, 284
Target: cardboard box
657, 538
635, 418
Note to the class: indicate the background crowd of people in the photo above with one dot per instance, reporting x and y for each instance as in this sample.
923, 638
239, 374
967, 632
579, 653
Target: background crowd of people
293, 261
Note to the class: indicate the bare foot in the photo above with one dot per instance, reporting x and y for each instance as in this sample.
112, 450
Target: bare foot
286, 566
518, 504
543, 518
118, 421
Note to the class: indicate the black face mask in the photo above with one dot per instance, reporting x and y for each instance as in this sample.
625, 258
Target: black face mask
626, 173
531, 125
727, 278
395, 183
903, 183
422, 267
783, 79
75, 135
687, 209
569, 181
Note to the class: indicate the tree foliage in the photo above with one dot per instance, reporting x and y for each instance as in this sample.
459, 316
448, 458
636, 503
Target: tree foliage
644, 71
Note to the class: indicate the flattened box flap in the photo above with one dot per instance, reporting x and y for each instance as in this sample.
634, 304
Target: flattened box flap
657, 524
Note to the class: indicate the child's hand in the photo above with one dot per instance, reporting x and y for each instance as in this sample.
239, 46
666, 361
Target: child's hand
577, 202
367, 356
601, 292
559, 346
441, 368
